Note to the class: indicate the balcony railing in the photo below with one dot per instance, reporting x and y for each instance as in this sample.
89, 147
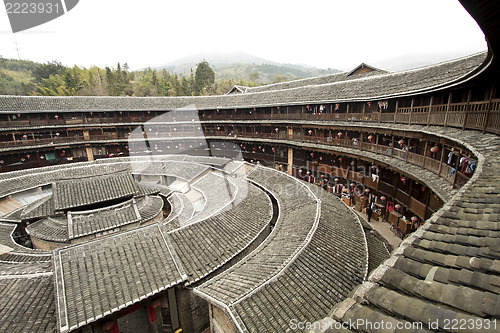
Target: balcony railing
482, 115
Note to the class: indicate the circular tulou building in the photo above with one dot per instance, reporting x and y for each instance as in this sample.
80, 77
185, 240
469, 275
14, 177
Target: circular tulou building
247, 212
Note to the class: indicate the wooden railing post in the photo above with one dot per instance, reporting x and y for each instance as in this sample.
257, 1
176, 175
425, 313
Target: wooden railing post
441, 161
407, 150
430, 110
396, 110
450, 95
411, 109
392, 148
453, 184
469, 95
425, 153
492, 93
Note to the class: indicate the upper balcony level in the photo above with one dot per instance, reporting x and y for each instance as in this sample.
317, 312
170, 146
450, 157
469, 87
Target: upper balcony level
460, 93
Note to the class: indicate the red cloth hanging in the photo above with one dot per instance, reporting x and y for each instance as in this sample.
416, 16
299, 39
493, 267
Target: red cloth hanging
152, 314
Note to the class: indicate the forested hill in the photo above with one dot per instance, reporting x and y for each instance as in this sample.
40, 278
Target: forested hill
255, 73
23, 77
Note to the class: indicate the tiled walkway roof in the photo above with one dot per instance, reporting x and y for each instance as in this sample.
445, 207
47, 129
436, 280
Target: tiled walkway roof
324, 79
317, 249
179, 169
220, 192
367, 87
205, 246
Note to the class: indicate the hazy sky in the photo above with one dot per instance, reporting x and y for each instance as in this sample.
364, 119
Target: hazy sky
324, 33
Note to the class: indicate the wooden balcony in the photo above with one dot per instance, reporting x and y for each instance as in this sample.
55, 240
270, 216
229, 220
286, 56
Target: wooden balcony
477, 115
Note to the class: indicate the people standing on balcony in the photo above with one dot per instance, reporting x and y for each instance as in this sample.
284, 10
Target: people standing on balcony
369, 212
374, 170
452, 159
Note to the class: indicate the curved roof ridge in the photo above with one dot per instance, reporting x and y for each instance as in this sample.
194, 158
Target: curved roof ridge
249, 90
373, 77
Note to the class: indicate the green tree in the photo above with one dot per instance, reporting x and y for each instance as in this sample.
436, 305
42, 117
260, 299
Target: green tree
204, 79
280, 78
254, 76
44, 71
73, 81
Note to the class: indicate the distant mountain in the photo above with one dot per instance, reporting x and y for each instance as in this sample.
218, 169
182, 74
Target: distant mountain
219, 58
240, 66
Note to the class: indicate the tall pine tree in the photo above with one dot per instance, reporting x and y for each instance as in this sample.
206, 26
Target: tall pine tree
204, 79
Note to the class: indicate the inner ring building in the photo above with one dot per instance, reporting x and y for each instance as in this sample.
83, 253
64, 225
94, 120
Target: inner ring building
244, 212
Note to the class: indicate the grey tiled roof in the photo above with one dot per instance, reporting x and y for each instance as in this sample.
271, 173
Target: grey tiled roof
324, 79
83, 223
39, 208
313, 258
367, 87
149, 207
88, 285
87, 191
219, 191
377, 252
208, 160
15, 181
90, 222
27, 304
181, 214
180, 169
6, 239
205, 246
150, 189
24, 268
53, 229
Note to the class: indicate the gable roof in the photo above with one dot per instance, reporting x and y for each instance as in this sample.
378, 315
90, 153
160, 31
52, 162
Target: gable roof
87, 191
90, 222
364, 68
144, 259
237, 89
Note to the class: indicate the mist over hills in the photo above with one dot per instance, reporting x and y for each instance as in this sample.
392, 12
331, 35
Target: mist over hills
240, 66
